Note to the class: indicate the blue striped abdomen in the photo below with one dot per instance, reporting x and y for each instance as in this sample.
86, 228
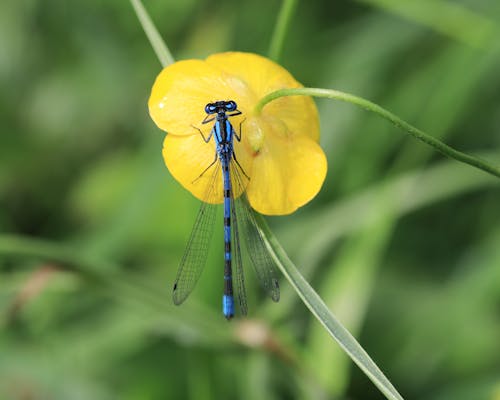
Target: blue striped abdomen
227, 298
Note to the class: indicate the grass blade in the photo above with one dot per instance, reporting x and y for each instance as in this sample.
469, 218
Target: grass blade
447, 17
285, 16
319, 309
159, 46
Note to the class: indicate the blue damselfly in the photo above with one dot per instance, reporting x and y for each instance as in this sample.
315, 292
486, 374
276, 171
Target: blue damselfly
238, 218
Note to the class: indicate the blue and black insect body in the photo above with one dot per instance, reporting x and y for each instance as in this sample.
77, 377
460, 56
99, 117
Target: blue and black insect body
237, 215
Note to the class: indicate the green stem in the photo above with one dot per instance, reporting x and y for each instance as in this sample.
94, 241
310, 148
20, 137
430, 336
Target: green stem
322, 313
368, 105
159, 46
281, 28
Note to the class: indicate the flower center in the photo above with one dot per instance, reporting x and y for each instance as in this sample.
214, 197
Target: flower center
254, 132
256, 129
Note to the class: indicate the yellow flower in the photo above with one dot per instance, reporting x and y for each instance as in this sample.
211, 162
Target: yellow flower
279, 148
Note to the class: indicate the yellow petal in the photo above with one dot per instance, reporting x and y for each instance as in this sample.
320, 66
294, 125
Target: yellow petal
263, 76
188, 157
260, 74
286, 174
181, 92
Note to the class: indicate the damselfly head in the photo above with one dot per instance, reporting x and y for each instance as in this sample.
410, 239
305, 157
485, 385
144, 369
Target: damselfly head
211, 108
220, 107
231, 105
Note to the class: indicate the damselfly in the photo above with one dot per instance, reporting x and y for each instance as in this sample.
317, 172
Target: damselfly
238, 218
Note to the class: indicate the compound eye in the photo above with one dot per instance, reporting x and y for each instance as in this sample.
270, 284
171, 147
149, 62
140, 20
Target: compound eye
230, 105
210, 108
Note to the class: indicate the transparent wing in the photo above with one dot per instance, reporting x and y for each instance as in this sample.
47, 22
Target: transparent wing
237, 263
195, 256
263, 263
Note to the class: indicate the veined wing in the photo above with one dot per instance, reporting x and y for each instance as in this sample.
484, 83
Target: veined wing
263, 263
237, 262
195, 256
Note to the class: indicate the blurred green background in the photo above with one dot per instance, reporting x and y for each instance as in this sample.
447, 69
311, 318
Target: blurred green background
402, 244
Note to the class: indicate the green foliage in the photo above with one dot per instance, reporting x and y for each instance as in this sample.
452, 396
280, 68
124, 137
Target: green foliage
401, 244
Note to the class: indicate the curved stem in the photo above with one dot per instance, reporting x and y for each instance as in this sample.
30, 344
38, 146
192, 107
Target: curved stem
159, 46
368, 105
281, 28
